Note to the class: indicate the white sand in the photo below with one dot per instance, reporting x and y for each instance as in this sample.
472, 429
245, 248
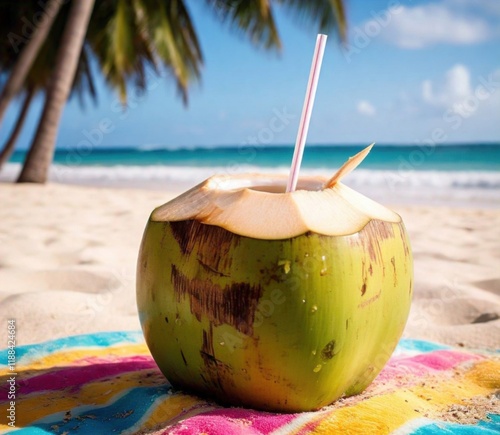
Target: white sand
68, 254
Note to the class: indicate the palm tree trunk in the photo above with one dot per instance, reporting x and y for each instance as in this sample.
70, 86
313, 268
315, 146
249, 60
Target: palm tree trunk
41, 153
11, 142
28, 56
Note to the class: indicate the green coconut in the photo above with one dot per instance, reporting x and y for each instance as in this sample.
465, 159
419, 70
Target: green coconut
272, 300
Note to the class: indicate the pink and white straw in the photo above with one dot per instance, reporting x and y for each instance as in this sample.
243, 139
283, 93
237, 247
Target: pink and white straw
306, 112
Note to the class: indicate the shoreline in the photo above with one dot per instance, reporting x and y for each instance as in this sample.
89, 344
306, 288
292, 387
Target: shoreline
449, 189
68, 256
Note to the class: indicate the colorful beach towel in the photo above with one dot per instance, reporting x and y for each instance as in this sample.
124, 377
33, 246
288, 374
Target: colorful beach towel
108, 383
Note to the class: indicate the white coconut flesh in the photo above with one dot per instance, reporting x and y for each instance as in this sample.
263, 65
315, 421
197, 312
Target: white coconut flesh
256, 205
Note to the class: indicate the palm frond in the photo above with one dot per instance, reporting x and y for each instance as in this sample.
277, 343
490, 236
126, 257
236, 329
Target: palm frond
138, 35
174, 40
83, 82
255, 19
327, 14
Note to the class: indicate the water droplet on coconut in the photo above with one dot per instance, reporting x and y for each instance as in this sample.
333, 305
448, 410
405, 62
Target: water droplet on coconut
317, 368
314, 308
314, 352
243, 370
222, 343
303, 301
178, 321
324, 269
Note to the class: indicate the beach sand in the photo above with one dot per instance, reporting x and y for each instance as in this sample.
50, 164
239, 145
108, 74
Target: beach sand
68, 258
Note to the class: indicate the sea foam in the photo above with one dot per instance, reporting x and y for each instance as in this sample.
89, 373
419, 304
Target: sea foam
483, 186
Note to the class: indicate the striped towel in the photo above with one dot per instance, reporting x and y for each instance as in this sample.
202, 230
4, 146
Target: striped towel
108, 383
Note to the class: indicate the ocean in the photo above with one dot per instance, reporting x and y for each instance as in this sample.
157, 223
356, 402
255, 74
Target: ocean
449, 174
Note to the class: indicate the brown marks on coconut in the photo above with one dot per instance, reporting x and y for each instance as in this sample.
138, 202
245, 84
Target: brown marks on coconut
211, 269
394, 271
233, 304
207, 348
363, 289
404, 238
144, 263
183, 234
215, 246
376, 231
183, 358
383, 230
364, 273
217, 373
279, 271
370, 301
212, 244
328, 352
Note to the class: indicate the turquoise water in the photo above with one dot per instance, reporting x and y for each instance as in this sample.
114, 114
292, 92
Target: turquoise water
469, 157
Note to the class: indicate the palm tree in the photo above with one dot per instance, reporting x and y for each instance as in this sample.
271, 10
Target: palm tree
36, 166
11, 141
129, 36
28, 55
38, 77
37, 80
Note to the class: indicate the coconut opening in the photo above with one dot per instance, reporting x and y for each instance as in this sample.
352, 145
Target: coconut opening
269, 189
280, 186
268, 184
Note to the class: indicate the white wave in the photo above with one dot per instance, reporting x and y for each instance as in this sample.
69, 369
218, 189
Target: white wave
160, 147
427, 179
390, 185
151, 147
163, 147
361, 177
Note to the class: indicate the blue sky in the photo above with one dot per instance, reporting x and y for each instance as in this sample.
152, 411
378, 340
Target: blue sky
412, 71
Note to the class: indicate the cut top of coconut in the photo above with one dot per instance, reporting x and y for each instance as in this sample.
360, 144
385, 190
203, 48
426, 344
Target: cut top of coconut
256, 205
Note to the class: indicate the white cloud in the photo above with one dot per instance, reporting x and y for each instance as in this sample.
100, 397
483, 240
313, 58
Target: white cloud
422, 26
458, 94
476, 6
455, 88
366, 108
